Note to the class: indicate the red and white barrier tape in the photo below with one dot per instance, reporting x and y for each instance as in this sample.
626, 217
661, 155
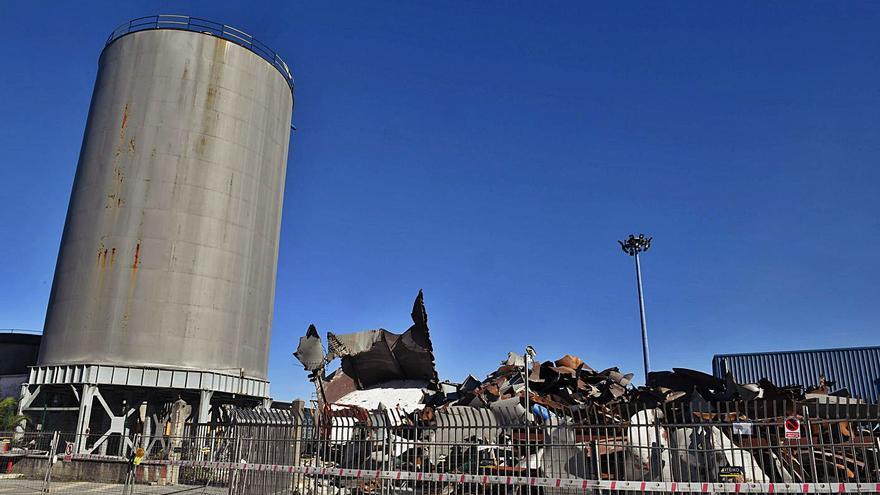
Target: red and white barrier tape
575, 483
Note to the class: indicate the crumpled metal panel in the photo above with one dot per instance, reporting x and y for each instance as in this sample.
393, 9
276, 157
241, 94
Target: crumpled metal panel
352, 343
371, 357
337, 385
310, 351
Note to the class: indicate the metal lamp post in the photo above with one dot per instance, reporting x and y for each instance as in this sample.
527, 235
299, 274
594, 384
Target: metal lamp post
633, 246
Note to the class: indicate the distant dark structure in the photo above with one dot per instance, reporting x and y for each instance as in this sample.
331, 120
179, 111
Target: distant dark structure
18, 351
856, 369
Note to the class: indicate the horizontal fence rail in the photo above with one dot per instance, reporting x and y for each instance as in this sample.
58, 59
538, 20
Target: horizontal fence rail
204, 26
755, 447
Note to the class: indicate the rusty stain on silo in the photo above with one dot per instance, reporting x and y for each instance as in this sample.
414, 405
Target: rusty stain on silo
137, 256
124, 120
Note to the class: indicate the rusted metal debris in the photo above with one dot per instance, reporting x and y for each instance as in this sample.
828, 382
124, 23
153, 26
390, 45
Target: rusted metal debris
568, 385
566, 382
379, 358
683, 424
371, 358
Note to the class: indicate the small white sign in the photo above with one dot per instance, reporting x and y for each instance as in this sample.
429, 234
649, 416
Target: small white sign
742, 428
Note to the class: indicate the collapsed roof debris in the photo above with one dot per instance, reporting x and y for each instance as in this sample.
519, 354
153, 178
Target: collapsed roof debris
371, 358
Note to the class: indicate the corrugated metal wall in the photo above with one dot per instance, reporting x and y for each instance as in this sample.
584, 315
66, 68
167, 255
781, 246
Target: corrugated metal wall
857, 368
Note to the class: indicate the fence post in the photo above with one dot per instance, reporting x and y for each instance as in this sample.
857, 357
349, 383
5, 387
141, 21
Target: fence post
318, 456
594, 455
236, 457
50, 461
809, 435
526, 419
389, 460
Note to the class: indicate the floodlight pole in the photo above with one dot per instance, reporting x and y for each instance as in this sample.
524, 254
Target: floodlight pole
633, 246
645, 354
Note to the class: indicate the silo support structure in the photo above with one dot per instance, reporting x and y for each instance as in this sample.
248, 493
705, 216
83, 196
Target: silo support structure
86, 400
204, 415
120, 392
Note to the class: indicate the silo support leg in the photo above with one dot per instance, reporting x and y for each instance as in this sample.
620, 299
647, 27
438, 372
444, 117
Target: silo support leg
27, 398
204, 416
85, 417
204, 406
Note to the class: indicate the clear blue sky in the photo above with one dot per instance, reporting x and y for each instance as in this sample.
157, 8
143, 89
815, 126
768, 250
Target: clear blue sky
493, 153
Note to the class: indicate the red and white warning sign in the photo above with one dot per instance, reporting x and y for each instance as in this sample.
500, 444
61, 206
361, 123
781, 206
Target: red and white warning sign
68, 452
792, 427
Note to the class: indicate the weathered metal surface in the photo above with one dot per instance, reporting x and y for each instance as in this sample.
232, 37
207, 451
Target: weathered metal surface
170, 246
310, 351
372, 357
856, 369
147, 378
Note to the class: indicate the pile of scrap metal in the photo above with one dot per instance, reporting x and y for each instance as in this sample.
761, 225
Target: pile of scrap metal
398, 371
557, 385
668, 386
378, 366
385, 402
568, 386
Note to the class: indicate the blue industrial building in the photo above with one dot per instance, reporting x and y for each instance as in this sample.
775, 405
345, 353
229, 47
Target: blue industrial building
857, 368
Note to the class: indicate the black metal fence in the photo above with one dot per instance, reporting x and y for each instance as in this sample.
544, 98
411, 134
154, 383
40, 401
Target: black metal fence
759, 446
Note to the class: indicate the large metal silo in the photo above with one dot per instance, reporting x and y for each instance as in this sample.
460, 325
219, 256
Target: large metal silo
170, 246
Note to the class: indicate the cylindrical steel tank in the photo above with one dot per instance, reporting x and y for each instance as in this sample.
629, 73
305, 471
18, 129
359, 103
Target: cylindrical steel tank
170, 246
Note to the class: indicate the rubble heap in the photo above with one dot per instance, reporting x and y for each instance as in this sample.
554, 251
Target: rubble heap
379, 359
566, 382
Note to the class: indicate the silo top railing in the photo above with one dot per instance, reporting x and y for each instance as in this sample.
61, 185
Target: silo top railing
197, 25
